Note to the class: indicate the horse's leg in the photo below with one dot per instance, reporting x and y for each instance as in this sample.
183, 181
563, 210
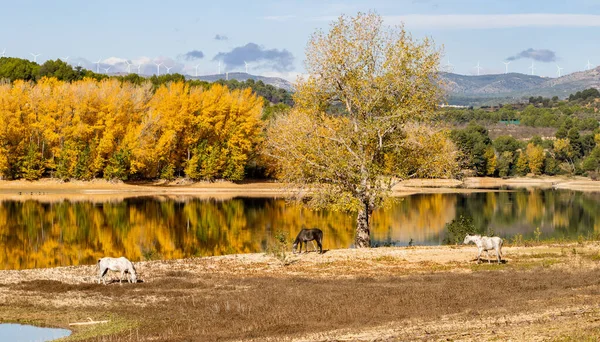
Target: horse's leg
487, 252
498, 255
479, 255
320, 243
102, 274
314, 245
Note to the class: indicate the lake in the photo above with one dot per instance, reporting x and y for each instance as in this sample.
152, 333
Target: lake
36, 234
26, 333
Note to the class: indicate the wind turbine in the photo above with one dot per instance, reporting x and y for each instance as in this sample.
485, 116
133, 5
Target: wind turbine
246, 64
158, 68
4, 52
66, 59
478, 68
589, 65
36, 56
139, 66
219, 68
449, 66
106, 69
197, 70
226, 76
506, 66
558, 69
128, 66
168, 69
98, 66
532, 67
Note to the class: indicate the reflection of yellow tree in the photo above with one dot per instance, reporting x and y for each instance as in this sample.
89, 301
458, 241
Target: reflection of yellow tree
36, 234
535, 208
418, 217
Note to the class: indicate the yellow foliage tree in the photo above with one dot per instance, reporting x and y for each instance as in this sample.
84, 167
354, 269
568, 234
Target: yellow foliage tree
350, 137
491, 161
535, 158
116, 129
522, 166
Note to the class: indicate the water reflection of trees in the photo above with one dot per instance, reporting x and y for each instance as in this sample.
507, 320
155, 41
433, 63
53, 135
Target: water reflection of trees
559, 214
35, 234
38, 234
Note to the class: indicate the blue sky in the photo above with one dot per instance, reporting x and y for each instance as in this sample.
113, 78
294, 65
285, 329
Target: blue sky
271, 35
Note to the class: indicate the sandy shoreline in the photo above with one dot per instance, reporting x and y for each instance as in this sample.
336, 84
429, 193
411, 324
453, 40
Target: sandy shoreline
98, 190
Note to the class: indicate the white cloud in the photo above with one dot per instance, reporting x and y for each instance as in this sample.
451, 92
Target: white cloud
489, 21
114, 61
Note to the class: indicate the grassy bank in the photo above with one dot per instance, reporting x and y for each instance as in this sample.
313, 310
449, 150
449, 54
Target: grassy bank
543, 292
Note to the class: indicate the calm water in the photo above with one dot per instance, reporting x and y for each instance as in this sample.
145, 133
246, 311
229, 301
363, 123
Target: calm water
38, 234
24, 333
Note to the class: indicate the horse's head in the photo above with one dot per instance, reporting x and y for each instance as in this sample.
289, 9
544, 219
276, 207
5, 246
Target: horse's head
467, 239
294, 246
133, 273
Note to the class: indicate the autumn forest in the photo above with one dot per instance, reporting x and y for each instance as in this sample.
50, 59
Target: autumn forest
119, 130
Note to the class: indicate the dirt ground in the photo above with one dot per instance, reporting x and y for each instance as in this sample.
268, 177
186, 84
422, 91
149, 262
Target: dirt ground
538, 293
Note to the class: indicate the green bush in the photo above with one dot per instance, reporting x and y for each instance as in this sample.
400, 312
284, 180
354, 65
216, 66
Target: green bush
458, 228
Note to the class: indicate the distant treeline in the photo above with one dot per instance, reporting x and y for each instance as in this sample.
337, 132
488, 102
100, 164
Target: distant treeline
13, 69
581, 111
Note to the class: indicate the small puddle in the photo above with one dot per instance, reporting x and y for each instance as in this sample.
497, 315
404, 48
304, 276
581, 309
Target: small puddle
26, 333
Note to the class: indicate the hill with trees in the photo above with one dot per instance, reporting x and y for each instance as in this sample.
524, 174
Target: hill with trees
573, 148
276, 82
514, 87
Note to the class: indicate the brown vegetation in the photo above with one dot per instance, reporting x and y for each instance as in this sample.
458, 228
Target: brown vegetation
385, 294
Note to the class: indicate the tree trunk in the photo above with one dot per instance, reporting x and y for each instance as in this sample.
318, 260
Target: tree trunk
363, 227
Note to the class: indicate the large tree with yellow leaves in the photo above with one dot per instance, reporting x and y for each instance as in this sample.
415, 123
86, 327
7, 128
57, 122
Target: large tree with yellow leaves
359, 122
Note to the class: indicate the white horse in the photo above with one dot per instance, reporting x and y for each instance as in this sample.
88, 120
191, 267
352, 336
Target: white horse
486, 243
118, 265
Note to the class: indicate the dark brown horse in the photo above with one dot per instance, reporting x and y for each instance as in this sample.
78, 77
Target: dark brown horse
306, 235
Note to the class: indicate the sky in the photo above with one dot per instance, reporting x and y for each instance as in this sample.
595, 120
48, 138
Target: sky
271, 36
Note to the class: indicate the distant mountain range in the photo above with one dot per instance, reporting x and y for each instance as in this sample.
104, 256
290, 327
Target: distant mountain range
471, 90
513, 87
242, 76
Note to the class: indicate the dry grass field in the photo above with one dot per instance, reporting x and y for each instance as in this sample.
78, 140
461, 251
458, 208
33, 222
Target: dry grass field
381, 294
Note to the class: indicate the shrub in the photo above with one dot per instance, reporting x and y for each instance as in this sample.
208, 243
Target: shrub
459, 228
278, 247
